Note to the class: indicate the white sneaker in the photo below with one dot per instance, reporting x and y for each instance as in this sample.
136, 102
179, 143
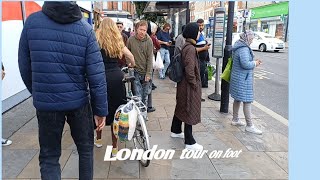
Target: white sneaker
6, 142
194, 147
253, 129
98, 143
174, 135
238, 123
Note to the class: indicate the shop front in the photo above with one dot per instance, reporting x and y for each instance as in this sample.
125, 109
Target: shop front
271, 19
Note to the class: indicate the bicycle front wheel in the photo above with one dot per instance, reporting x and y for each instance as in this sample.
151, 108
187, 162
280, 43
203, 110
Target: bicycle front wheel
141, 139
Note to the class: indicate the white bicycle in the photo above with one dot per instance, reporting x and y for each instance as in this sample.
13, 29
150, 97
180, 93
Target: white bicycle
140, 137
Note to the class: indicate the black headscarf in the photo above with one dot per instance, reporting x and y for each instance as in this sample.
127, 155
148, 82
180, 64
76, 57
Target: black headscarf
191, 31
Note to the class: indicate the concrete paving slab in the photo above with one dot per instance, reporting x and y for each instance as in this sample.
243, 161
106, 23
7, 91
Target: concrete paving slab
71, 169
249, 165
180, 169
281, 158
30, 127
14, 161
32, 170
264, 142
153, 125
16, 117
24, 141
218, 124
124, 169
164, 141
159, 113
101, 167
270, 124
230, 140
164, 102
209, 141
207, 113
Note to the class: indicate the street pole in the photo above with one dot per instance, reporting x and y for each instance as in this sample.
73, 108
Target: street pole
224, 104
286, 33
187, 13
216, 95
245, 19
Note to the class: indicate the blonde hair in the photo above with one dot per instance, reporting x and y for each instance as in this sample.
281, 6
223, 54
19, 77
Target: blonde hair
110, 38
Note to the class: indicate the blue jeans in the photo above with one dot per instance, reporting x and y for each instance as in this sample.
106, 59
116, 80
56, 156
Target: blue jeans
51, 125
142, 88
165, 56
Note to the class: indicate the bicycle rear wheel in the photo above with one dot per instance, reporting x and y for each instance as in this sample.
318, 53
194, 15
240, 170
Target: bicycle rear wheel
141, 139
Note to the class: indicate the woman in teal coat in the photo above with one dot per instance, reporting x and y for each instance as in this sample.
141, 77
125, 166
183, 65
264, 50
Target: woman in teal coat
241, 83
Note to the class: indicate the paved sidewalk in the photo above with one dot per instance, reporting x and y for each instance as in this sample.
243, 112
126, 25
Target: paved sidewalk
263, 156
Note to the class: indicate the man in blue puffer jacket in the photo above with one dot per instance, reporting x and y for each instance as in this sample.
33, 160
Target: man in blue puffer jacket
62, 67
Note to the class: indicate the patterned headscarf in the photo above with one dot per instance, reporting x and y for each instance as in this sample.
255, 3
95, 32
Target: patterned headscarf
247, 37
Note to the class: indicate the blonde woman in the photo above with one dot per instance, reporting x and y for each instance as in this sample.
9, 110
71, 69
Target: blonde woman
112, 50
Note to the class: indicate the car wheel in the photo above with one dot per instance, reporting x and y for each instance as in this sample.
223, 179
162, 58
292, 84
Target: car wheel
276, 50
262, 48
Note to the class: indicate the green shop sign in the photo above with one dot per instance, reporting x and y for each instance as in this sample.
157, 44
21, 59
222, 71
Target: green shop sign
272, 10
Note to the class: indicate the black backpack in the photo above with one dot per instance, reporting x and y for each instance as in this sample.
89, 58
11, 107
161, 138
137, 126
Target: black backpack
176, 67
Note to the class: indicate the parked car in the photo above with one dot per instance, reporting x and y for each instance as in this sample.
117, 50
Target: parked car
263, 42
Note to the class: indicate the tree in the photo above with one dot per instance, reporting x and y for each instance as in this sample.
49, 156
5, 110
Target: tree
140, 6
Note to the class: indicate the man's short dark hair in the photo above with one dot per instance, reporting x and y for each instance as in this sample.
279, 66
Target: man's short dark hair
119, 22
200, 21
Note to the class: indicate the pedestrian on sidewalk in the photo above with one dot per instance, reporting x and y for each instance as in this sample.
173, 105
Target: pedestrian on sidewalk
62, 67
152, 29
141, 47
112, 50
165, 42
122, 62
188, 95
5, 142
180, 41
241, 83
202, 48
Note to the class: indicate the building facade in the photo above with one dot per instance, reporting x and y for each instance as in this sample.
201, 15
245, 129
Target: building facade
123, 11
272, 19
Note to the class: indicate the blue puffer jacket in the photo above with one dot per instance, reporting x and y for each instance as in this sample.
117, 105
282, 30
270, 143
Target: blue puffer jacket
60, 60
241, 83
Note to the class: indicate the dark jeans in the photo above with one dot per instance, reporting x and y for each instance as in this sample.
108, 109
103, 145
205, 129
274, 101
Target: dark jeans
150, 95
203, 73
176, 128
50, 133
142, 88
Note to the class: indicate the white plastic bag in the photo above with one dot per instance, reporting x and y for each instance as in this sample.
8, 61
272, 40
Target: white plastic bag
125, 120
153, 62
159, 62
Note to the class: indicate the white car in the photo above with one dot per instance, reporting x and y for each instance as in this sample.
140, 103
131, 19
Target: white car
263, 42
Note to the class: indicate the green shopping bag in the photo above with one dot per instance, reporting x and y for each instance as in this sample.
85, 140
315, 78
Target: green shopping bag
211, 71
226, 75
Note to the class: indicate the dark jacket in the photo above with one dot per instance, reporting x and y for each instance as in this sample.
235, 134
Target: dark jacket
188, 96
60, 60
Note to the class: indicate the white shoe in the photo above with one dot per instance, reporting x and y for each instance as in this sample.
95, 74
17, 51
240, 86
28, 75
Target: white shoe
6, 142
98, 143
253, 129
194, 147
174, 135
237, 123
